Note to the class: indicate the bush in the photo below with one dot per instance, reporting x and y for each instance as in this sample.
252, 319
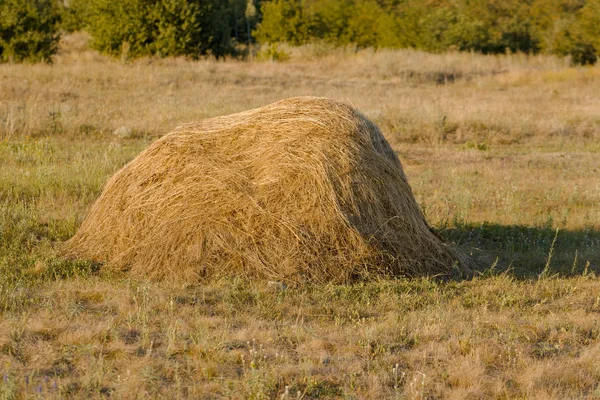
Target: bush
283, 21
563, 27
28, 30
74, 15
576, 36
272, 52
165, 27
590, 23
341, 22
583, 53
117, 26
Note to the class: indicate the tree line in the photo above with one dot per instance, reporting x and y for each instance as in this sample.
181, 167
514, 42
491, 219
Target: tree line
30, 29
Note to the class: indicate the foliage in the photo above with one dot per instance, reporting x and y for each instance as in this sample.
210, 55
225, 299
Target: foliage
164, 27
283, 21
363, 23
493, 27
587, 47
569, 28
74, 14
116, 26
28, 30
167, 27
186, 28
272, 52
134, 28
563, 27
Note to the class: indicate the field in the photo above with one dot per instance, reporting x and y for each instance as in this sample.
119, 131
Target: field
502, 153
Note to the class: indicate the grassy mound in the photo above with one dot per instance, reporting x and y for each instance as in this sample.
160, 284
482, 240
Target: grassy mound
302, 189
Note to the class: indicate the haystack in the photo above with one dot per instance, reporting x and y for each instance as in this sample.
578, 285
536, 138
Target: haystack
305, 189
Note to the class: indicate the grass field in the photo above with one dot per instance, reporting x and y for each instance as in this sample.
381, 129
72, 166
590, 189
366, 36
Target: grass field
502, 153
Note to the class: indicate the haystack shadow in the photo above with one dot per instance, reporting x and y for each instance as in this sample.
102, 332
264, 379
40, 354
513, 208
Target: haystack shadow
523, 251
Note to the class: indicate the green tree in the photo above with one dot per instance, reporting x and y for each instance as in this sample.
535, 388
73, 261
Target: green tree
589, 19
569, 28
551, 19
242, 18
340, 22
159, 27
328, 20
250, 15
493, 26
563, 27
282, 21
28, 30
371, 26
125, 25
74, 15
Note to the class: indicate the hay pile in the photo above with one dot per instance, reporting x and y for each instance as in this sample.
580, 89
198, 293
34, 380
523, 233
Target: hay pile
302, 189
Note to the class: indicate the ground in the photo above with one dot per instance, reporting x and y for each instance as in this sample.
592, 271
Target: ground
502, 153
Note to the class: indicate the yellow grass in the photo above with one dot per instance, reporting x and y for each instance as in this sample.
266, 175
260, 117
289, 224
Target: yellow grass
499, 151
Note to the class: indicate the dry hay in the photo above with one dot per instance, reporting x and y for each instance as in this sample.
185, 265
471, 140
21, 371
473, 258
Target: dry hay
302, 189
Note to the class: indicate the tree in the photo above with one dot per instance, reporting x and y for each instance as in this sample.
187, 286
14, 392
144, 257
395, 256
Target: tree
282, 21
28, 30
250, 15
163, 27
589, 18
563, 27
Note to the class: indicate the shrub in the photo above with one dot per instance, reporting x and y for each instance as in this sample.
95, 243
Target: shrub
164, 27
573, 38
370, 26
119, 25
583, 53
272, 52
74, 15
563, 27
283, 21
590, 23
28, 30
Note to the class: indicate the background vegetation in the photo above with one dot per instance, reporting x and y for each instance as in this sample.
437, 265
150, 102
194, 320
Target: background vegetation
28, 30
563, 27
137, 28
133, 28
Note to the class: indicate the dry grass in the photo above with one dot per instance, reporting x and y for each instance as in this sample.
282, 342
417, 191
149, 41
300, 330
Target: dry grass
305, 189
490, 338
488, 100
498, 160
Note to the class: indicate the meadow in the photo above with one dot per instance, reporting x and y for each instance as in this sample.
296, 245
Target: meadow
502, 153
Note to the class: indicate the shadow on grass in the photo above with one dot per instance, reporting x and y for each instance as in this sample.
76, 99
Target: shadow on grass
525, 251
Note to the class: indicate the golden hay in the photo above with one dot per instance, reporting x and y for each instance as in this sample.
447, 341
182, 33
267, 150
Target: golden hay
302, 189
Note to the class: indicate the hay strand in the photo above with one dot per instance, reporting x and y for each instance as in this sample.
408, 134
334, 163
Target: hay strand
305, 189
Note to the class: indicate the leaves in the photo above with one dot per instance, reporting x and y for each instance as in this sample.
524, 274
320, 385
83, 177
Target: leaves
563, 27
165, 28
28, 30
